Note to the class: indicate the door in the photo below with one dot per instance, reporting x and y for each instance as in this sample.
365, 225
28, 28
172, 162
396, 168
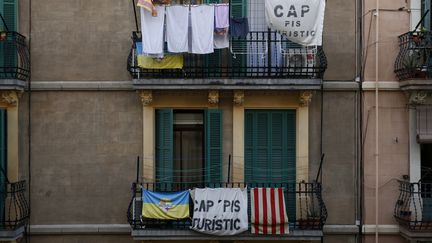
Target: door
188, 148
270, 151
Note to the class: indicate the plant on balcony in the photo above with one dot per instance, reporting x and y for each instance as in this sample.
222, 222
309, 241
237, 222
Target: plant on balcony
415, 64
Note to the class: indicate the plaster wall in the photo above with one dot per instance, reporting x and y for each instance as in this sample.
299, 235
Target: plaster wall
392, 23
393, 153
84, 148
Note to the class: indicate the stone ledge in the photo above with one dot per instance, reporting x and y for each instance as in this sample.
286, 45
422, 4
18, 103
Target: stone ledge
163, 235
80, 85
341, 229
80, 229
11, 235
12, 84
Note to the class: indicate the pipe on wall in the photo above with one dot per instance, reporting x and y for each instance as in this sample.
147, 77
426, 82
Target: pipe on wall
376, 120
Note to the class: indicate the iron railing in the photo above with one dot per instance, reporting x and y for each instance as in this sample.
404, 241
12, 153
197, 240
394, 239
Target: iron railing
14, 209
263, 54
14, 56
309, 212
413, 209
414, 60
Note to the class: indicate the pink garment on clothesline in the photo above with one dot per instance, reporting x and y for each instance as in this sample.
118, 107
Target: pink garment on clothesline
221, 16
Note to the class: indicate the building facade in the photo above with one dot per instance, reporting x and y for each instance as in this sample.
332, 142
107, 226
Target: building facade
396, 120
260, 113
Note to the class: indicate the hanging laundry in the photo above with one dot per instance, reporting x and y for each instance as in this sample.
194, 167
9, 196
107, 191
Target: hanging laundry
221, 41
202, 22
221, 16
152, 31
147, 5
239, 27
177, 28
167, 62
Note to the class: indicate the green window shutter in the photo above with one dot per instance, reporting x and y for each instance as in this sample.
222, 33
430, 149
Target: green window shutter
270, 150
8, 56
3, 161
238, 8
213, 144
164, 147
9, 9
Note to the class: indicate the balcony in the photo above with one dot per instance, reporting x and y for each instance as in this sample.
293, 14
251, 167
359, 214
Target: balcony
15, 211
263, 60
14, 61
307, 224
413, 66
413, 210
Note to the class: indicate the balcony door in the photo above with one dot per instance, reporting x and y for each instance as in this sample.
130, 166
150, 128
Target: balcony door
188, 147
270, 151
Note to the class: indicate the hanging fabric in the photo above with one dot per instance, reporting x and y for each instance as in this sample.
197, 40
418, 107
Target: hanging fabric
147, 5
239, 27
300, 21
177, 19
268, 213
152, 31
221, 16
202, 23
167, 62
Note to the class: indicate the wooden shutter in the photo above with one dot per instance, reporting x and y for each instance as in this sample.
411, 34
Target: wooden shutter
164, 147
3, 161
9, 9
238, 8
8, 58
213, 144
270, 150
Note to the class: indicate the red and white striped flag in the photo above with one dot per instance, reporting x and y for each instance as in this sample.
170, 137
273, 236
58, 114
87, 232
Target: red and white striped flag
269, 215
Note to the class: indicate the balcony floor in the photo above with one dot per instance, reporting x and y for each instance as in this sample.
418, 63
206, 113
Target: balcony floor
12, 84
415, 235
11, 235
228, 84
162, 235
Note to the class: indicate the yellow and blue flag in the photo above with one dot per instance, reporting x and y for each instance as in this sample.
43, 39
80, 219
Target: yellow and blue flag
165, 205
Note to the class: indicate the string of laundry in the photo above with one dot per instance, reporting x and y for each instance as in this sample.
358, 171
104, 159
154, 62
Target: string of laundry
167, 31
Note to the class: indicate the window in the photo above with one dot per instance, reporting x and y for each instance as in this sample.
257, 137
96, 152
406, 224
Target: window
188, 146
8, 9
426, 6
8, 56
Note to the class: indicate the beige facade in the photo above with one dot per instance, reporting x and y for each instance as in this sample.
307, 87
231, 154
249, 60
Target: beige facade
89, 120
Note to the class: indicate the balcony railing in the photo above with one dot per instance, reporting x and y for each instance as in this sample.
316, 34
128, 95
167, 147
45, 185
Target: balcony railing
263, 54
413, 209
310, 213
414, 60
14, 56
14, 209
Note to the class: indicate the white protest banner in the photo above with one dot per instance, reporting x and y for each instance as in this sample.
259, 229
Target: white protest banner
220, 211
300, 21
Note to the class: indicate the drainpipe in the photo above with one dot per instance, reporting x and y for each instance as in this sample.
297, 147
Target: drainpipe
376, 120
